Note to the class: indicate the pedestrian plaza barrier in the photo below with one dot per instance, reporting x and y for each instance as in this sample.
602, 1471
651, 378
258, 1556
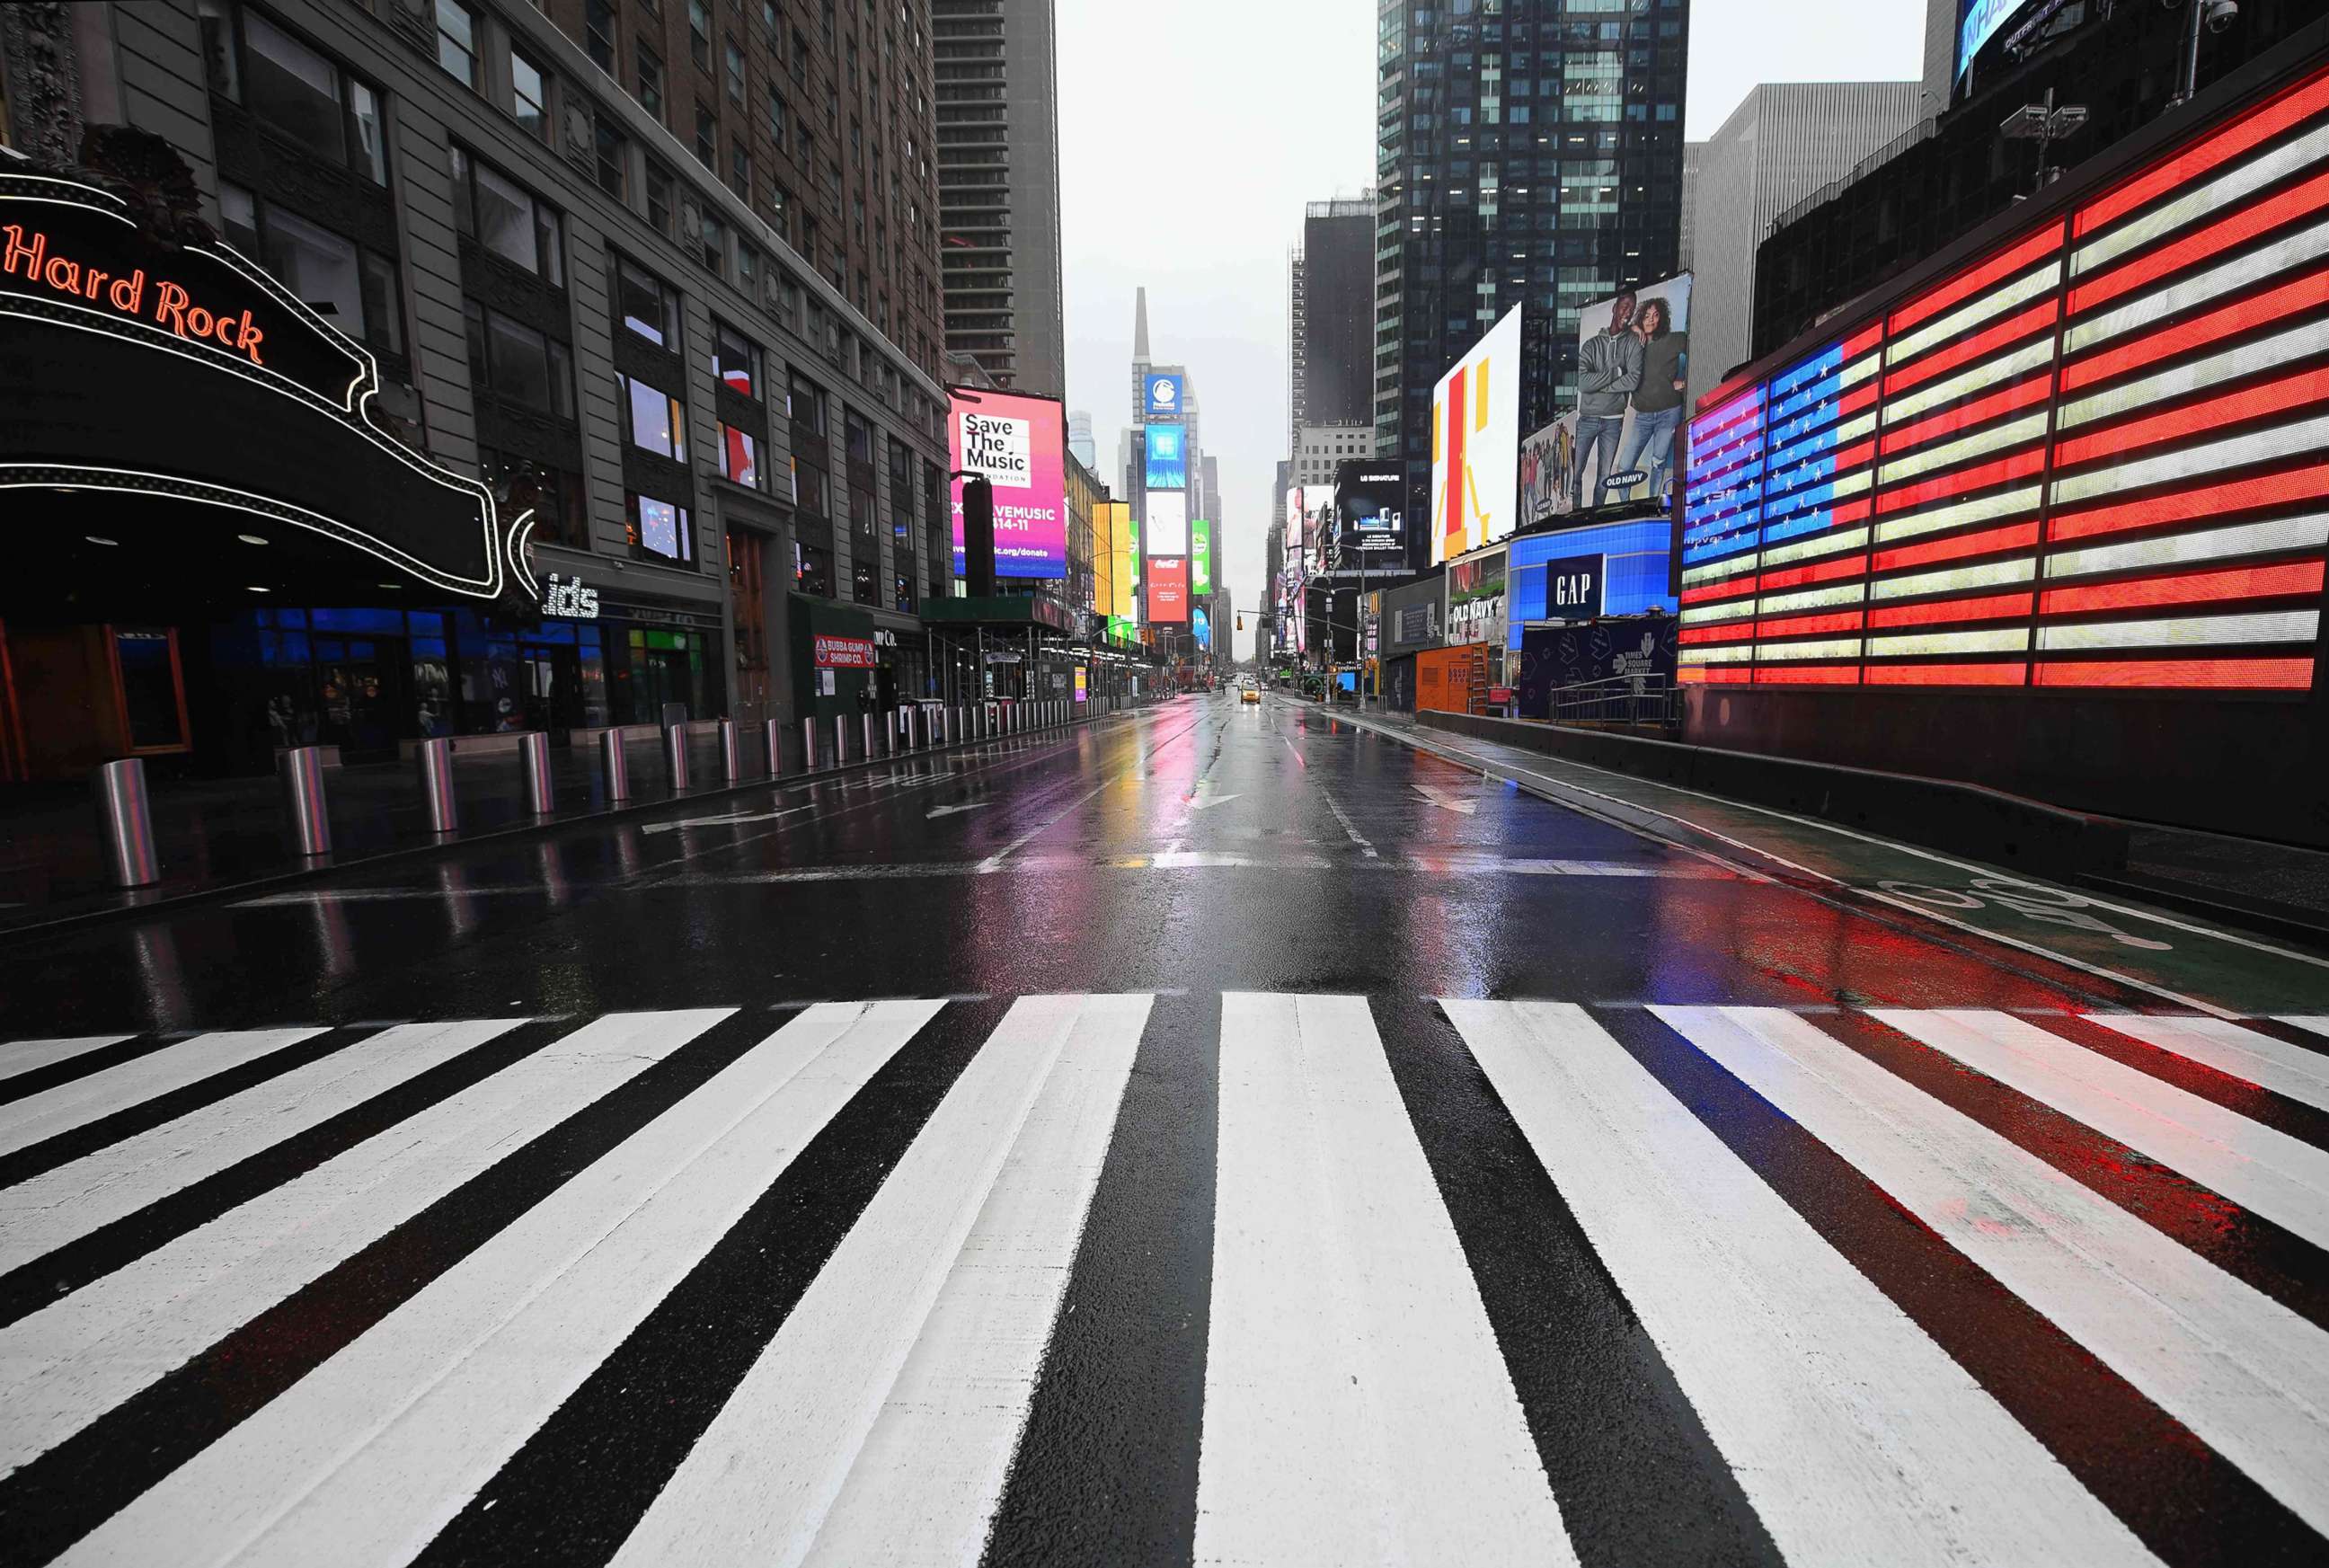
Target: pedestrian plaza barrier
541, 794
127, 820
433, 760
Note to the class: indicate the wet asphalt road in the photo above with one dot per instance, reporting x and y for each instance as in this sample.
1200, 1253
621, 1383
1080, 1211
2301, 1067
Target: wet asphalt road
1221, 1132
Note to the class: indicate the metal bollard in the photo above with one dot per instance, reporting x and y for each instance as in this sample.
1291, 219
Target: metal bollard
614, 763
809, 744
130, 853
901, 726
541, 794
776, 738
675, 756
840, 740
865, 723
434, 759
731, 755
302, 769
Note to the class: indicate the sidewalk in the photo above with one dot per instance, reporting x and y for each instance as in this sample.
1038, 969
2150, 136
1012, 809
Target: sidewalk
2266, 886
218, 835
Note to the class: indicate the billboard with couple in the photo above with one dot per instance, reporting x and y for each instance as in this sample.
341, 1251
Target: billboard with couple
1617, 444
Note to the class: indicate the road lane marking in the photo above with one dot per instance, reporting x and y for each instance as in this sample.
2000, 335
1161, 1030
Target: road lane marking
84, 1195
364, 1459
879, 1423
30, 1055
936, 812
1344, 817
995, 862
76, 1359
2250, 1377
39, 1116
1861, 1441
1357, 1408
1205, 802
2318, 1022
1445, 799
724, 821
2262, 1169
2245, 1054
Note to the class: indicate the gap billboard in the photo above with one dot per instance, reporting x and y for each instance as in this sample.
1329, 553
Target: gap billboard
1019, 444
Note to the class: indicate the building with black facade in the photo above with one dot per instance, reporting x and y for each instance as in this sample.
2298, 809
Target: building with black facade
2122, 64
1525, 153
1331, 316
648, 292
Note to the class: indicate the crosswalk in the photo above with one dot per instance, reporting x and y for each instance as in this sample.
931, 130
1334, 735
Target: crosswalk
1442, 1280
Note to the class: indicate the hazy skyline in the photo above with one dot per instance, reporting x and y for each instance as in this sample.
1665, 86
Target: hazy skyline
1190, 138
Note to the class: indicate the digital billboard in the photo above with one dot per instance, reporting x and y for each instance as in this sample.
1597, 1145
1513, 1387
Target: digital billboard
1112, 522
1168, 592
1476, 436
1168, 523
1161, 396
1979, 22
2091, 457
1201, 625
1019, 444
1368, 504
1167, 462
1631, 579
1617, 446
1200, 557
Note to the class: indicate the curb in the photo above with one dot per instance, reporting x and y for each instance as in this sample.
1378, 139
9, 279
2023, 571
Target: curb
304, 876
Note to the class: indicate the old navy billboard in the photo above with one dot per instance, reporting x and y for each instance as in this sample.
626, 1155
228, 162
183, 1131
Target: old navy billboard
1019, 443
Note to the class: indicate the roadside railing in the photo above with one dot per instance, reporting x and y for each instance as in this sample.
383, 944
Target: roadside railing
1633, 701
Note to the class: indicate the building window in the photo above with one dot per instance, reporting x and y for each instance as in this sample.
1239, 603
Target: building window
905, 594
861, 580
599, 27
653, 419
812, 570
734, 61
656, 528
515, 360
739, 169
352, 287
740, 456
650, 76
699, 32
747, 270
555, 495
707, 138
776, 115
529, 95
457, 41
297, 90
613, 159
736, 361
645, 304
716, 245
663, 198
504, 218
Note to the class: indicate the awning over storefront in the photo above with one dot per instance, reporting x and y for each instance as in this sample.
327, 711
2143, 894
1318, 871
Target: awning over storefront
213, 433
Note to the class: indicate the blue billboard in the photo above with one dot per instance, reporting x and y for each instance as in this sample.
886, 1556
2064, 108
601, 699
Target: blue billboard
1168, 458
1160, 396
1544, 568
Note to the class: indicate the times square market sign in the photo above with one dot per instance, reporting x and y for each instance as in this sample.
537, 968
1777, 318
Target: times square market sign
134, 364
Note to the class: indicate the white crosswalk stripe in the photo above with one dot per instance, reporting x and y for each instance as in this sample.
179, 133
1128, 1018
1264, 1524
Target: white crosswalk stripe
2246, 1375
46, 1115
1356, 1408
1726, 1276
1353, 1393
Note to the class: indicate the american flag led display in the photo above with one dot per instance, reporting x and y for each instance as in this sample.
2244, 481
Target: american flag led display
2096, 456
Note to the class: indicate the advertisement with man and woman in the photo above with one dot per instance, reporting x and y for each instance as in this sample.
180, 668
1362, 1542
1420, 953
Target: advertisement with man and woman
1633, 360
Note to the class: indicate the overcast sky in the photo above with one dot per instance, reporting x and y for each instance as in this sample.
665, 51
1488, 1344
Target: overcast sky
1191, 135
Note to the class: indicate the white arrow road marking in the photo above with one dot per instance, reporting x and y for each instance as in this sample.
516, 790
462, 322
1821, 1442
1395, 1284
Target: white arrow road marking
724, 821
1204, 802
1445, 801
949, 810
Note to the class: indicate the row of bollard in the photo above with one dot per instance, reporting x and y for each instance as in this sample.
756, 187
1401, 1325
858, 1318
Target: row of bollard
133, 860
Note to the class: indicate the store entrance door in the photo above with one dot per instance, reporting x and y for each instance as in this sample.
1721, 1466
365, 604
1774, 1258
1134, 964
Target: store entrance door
364, 685
549, 685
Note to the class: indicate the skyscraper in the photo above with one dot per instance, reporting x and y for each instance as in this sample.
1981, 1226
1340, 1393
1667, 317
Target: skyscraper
998, 139
1079, 438
1531, 154
1782, 143
1331, 316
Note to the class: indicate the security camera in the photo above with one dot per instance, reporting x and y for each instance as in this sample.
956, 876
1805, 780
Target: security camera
2222, 14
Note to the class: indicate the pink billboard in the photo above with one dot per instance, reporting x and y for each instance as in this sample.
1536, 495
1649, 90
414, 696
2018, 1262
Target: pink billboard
1019, 444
